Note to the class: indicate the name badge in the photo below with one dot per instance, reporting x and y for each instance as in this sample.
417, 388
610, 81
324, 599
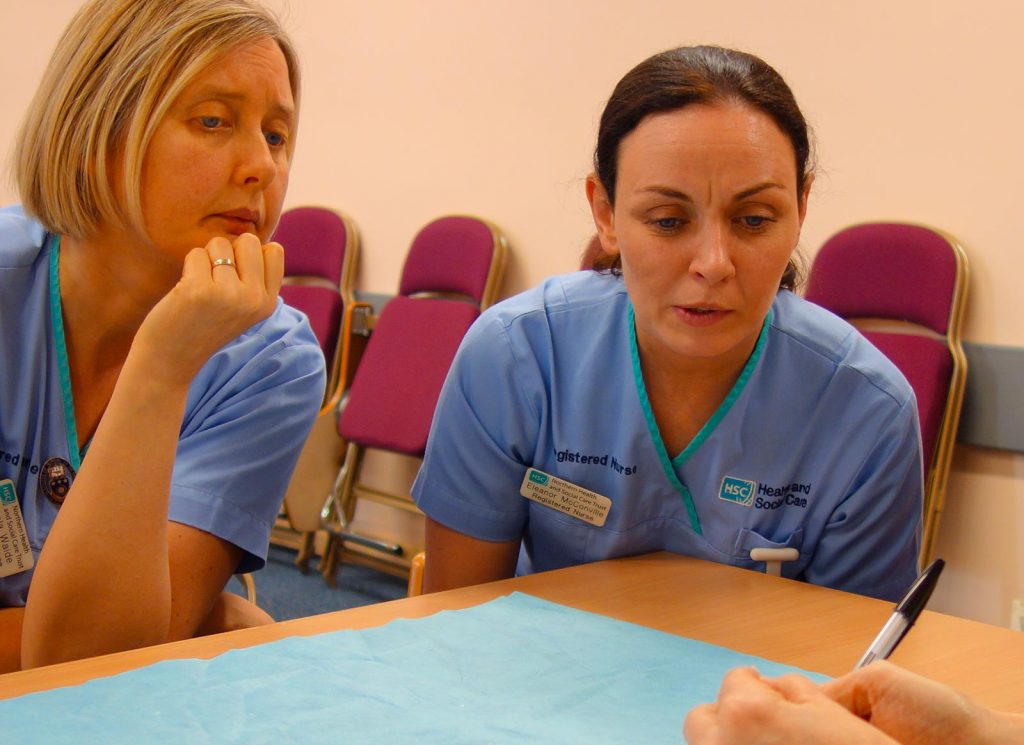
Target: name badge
15, 551
565, 496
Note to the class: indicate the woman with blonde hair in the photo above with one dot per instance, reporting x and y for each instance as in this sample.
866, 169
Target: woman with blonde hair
155, 392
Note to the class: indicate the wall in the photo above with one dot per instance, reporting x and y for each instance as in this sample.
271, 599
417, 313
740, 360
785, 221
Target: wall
413, 109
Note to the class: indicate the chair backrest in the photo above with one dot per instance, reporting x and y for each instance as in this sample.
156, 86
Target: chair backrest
321, 249
455, 256
453, 270
905, 287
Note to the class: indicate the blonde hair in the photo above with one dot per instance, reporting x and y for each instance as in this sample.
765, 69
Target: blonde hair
116, 70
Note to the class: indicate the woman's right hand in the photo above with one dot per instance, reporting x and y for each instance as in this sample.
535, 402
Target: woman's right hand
915, 710
210, 305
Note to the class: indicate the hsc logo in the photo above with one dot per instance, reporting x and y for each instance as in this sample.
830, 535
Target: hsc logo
737, 490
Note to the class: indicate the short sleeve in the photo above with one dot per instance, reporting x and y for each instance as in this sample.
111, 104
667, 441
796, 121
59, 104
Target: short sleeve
872, 539
482, 437
250, 411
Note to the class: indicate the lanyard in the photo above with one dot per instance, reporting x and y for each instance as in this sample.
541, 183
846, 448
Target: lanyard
64, 368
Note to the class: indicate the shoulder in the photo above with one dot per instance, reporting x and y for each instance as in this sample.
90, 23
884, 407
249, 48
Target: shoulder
577, 299
281, 347
21, 238
834, 346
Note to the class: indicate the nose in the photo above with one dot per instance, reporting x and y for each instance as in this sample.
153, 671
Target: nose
256, 166
712, 257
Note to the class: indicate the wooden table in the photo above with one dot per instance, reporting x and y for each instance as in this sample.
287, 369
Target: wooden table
811, 627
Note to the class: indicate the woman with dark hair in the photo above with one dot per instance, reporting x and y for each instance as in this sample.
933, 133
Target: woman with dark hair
680, 397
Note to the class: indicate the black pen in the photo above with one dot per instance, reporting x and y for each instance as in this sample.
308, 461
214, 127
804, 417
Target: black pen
903, 617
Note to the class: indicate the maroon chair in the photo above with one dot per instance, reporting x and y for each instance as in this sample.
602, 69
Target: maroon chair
453, 270
320, 251
321, 247
904, 287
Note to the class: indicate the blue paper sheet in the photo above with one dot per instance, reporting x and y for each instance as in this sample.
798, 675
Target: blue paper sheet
517, 669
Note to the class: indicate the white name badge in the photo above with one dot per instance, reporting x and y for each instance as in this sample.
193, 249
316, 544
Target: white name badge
15, 551
565, 496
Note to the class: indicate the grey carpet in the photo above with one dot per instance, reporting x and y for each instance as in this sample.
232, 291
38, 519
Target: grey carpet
285, 593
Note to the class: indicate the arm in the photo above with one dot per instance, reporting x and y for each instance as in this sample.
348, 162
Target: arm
752, 710
456, 560
915, 710
484, 429
880, 703
114, 573
871, 541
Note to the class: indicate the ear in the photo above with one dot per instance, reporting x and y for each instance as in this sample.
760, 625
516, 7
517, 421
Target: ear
805, 196
604, 214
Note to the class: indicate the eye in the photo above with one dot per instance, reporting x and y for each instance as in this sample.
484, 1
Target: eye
211, 122
275, 139
666, 224
755, 223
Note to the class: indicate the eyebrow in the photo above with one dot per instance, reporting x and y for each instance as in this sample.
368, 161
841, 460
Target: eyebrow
665, 191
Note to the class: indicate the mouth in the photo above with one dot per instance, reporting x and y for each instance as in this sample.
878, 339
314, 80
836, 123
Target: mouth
701, 315
239, 221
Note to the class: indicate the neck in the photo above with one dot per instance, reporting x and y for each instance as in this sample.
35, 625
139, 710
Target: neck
685, 392
108, 283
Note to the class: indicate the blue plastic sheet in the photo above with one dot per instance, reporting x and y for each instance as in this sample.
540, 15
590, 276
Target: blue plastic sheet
516, 669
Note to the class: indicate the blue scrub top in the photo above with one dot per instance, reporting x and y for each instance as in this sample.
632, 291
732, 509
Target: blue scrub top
247, 415
817, 447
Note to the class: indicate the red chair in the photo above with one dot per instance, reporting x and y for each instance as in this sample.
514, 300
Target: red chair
453, 270
321, 249
904, 287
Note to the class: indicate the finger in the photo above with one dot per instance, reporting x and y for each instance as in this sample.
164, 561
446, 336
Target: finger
739, 678
273, 267
221, 259
249, 259
795, 687
858, 690
701, 725
196, 267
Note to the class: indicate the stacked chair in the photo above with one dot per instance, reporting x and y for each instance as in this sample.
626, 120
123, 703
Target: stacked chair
904, 287
453, 270
321, 249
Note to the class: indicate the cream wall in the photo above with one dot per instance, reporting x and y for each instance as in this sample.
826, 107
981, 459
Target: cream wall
414, 109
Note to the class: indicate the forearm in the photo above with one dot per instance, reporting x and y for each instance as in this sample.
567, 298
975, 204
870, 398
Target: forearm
102, 582
457, 560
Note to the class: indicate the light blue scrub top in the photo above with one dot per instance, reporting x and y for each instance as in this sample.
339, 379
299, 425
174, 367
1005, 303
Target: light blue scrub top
247, 415
817, 447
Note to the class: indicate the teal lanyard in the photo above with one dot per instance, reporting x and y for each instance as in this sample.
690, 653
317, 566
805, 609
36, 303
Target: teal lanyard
669, 465
64, 368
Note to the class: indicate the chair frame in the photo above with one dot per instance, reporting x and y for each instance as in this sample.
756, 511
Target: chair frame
937, 478
339, 508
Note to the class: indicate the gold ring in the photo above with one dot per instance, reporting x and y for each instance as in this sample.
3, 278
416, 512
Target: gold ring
223, 262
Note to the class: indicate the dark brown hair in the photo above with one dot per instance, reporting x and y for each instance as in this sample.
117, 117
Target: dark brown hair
685, 76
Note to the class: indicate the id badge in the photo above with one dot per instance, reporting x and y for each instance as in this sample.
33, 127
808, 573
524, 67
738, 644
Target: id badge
565, 496
15, 551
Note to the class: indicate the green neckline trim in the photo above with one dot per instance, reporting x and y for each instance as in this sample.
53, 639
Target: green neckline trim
734, 393
669, 464
652, 428
63, 366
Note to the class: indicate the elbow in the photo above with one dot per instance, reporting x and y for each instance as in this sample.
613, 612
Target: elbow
48, 642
